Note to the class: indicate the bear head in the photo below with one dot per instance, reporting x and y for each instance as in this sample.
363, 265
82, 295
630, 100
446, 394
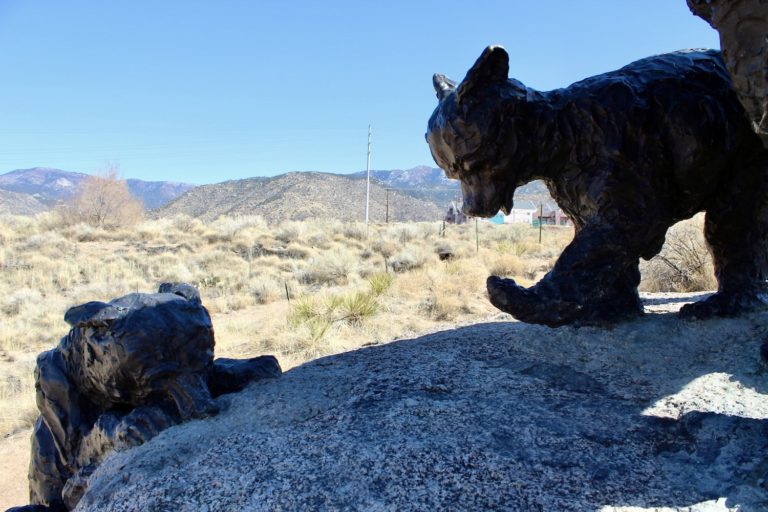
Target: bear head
140, 346
471, 133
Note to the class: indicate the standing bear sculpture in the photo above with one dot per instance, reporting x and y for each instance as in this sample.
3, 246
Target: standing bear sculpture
626, 155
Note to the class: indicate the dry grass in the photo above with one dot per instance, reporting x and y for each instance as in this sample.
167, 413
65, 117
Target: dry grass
684, 263
297, 290
348, 285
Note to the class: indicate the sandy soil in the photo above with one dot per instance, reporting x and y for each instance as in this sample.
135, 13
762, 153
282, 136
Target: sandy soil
14, 459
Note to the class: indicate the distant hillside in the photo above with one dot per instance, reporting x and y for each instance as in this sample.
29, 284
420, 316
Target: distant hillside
421, 177
47, 185
155, 194
18, 203
431, 184
536, 192
300, 196
51, 186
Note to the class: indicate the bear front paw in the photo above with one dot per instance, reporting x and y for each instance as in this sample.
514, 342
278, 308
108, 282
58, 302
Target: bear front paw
141, 425
528, 304
508, 296
545, 304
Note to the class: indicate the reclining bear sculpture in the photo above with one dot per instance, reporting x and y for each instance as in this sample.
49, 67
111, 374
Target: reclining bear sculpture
127, 370
626, 155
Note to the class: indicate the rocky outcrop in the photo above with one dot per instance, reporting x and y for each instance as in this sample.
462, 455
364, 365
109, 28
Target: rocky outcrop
743, 27
657, 412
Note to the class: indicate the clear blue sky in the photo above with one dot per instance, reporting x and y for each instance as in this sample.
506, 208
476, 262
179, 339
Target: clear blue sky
204, 91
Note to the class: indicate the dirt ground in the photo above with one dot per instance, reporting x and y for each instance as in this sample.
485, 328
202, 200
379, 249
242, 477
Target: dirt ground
14, 460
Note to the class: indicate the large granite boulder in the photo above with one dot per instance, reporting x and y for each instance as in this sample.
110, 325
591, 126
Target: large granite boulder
743, 29
657, 412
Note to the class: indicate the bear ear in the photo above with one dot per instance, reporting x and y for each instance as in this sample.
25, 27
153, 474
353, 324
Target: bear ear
492, 66
98, 312
443, 86
185, 290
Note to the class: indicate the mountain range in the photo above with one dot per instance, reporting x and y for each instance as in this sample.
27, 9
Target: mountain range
51, 186
420, 193
426, 182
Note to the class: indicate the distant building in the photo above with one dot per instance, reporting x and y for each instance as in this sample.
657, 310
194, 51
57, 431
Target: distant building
552, 215
497, 219
523, 212
454, 215
527, 212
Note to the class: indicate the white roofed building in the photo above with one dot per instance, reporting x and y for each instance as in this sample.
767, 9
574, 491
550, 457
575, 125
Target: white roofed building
523, 212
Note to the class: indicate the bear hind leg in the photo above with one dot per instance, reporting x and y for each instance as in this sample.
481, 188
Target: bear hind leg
736, 230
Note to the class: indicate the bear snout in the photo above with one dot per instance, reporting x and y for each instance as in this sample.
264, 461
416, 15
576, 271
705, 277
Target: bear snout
479, 200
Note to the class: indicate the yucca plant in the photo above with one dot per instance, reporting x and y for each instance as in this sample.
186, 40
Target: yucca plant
380, 282
357, 306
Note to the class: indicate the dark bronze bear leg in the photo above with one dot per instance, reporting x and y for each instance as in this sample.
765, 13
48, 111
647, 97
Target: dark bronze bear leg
593, 282
47, 472
736, 230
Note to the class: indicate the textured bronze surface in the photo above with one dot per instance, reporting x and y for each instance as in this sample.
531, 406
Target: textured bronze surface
625, 154
127, 370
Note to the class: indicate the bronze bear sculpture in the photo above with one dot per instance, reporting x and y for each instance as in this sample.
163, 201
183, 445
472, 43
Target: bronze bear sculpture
626, 155
127, 370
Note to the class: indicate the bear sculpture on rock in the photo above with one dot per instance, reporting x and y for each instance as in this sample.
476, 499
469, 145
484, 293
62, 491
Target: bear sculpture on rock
626, 155
127, 370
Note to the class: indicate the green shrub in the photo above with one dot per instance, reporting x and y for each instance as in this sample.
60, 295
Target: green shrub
380, 282
357, 306
319, 314
408, 259
304, 309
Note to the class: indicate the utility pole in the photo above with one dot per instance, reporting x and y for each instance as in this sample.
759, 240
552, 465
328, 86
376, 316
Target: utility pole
541, 214
477, 238
386, 217
368, 185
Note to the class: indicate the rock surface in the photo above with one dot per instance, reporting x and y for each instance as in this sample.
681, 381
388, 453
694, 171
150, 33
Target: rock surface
657, 412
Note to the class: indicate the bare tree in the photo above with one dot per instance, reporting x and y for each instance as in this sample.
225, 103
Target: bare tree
104, 200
